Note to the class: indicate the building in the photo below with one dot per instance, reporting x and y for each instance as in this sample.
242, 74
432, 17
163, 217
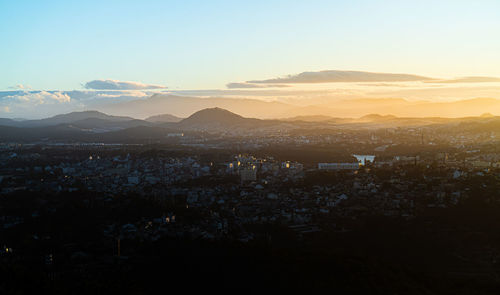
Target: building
364, 159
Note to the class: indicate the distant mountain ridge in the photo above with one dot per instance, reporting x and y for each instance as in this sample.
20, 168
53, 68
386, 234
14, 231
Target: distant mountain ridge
213, 120
65, 119
375, 118
338, 108
184, 106
163, 118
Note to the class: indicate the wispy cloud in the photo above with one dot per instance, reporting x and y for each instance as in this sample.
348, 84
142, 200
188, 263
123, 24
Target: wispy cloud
122, 94
243, 85
476, 79
343, 76
20, 86
249, 85
384, 85
120, 85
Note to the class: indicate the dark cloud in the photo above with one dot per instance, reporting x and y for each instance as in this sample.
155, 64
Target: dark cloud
120, 85
343, 76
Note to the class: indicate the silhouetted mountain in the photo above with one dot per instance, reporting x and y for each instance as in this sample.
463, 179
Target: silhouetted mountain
405, 108
74, 117
312, 118
217, 118
213, 115
65, 119
164, 118
125, 129
185, 106
487, 115
376, 118
337, 108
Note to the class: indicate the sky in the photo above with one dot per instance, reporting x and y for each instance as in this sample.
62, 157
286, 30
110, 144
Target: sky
199, 45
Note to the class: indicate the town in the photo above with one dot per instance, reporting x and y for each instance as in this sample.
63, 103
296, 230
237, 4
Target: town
245, 191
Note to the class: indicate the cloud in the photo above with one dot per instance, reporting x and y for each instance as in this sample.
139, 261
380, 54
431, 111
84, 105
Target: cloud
35, 104
243, 85
120, 94
120, 85
20, 86
468, 80
343, 76
248, 85
40, 97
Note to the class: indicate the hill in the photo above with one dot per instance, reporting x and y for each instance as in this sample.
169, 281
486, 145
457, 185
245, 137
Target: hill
376, 118
336, 108
65, 119
217, 119
214, 120
164, 118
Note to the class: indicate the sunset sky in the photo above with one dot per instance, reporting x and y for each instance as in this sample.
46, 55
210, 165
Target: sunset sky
187, 46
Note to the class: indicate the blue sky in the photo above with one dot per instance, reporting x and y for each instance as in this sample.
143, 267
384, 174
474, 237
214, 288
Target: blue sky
62, 56
60, 45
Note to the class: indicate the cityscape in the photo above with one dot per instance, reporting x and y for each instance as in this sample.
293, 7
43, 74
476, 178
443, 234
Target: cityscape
96, 205
176, 146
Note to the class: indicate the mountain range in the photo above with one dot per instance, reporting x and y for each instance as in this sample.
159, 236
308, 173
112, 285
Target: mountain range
97, 126
163, 118
183, 106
